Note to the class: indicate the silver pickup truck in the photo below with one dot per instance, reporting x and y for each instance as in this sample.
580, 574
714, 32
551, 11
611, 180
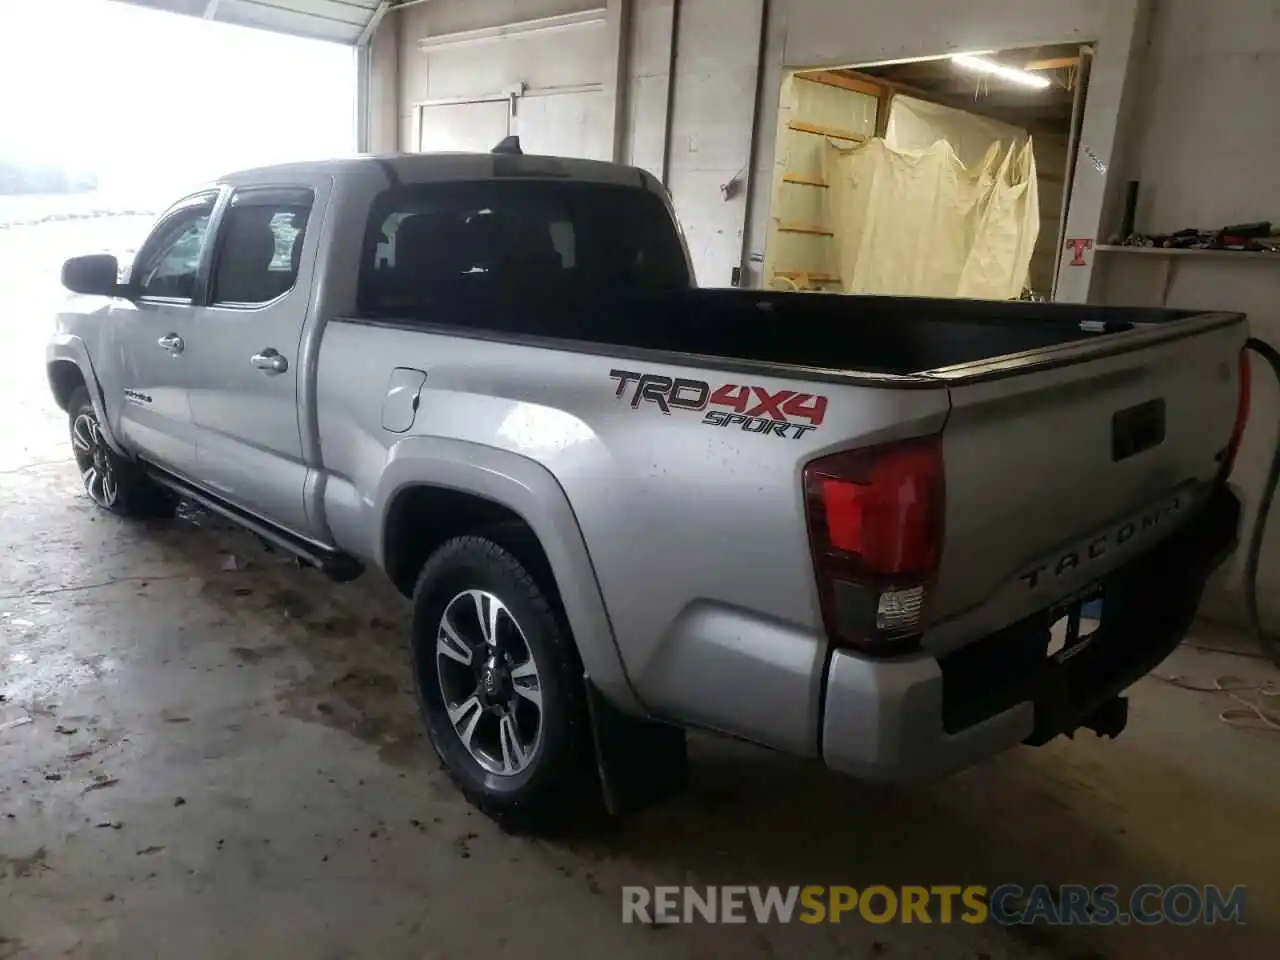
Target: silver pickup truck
895, 535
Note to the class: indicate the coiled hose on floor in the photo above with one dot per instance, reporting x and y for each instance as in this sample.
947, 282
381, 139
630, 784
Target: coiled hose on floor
1270, 644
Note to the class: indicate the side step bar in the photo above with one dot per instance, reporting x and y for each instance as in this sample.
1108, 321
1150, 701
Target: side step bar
335, 564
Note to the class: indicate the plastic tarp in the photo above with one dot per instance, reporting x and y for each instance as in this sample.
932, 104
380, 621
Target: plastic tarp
921, 223
918, 125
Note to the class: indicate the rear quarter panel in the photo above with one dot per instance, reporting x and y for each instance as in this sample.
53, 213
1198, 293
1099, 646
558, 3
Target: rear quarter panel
696, 532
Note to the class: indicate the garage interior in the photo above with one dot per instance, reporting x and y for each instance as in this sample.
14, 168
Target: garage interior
825, 115
205, 748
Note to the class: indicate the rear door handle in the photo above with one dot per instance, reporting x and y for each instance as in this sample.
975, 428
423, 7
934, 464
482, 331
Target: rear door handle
270, 361
171, 342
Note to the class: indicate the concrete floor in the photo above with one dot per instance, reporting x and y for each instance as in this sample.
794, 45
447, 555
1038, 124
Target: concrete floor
227, 762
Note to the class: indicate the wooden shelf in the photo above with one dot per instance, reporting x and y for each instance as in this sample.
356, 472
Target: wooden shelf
801, 228
803, 180
834, 132
1164, 252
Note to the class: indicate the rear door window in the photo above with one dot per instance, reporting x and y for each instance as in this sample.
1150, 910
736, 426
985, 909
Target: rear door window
517, 239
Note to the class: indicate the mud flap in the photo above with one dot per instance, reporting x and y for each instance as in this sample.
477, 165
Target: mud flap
640, 762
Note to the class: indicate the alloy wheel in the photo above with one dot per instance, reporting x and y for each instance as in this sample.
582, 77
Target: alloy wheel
94, 460
489, 681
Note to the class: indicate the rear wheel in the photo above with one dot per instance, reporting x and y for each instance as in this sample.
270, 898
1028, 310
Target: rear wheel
500, 685
111, 481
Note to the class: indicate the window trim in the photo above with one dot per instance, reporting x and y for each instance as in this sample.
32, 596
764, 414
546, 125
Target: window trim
257, 195
196, 199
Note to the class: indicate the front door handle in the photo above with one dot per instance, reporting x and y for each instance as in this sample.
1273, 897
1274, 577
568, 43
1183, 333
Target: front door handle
270, 361
171, 342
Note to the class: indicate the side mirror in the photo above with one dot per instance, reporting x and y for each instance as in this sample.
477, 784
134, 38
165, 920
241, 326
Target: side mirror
95, 275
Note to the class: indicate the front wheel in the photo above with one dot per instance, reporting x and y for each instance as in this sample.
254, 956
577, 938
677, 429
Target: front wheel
110, 481
500, 685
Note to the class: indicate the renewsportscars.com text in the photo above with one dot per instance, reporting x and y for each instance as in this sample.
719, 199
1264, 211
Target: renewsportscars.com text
1007, 904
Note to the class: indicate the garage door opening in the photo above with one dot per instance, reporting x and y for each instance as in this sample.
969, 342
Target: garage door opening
946, 176
114, 119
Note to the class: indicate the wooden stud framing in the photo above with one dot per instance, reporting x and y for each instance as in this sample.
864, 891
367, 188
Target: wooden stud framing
1054, 63
801, 127
856, 84
803, 180
798, 275
801, 228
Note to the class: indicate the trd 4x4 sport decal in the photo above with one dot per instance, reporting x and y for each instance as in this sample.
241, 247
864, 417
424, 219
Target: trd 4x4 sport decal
751, 409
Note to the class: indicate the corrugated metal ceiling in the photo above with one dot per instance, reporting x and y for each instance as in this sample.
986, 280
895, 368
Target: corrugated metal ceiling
341, 21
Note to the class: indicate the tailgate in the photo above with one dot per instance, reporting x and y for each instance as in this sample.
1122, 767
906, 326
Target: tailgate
1064, 464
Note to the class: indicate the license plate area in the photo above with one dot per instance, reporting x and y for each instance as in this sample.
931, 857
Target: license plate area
1074, 623
1014, 664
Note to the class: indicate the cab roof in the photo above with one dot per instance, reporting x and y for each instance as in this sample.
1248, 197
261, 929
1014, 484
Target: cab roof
429, 167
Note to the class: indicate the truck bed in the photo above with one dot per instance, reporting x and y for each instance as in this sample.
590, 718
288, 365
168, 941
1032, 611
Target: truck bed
1073, 418
898, 336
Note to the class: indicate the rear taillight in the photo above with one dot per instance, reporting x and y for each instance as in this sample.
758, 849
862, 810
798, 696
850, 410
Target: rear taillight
1242, 414
875, 526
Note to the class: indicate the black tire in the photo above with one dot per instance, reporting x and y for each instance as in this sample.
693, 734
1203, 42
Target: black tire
556, 780
110, 480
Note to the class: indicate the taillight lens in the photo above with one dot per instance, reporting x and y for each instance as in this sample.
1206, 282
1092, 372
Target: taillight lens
1242, 414
875, 527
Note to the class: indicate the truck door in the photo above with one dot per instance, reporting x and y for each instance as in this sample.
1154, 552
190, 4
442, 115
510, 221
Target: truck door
154, 329
245, 390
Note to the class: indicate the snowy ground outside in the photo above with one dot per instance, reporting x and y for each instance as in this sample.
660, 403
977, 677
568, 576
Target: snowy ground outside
31, 257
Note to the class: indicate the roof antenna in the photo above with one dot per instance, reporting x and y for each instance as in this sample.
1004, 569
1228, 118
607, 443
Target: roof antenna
510, 146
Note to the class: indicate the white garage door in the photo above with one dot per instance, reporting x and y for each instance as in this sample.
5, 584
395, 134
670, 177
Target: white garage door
474, 127
556, 65
564, 125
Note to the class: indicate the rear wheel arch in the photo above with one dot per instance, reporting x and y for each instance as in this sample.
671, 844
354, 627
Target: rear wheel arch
638, 762
423, 517
499, 492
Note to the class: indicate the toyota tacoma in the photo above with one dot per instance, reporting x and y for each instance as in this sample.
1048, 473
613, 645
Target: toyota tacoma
894, 535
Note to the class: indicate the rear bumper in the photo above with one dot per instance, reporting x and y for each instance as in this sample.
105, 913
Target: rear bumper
919, 717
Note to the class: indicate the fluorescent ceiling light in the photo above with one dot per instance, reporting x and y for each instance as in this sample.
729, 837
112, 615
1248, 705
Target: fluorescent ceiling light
982, 65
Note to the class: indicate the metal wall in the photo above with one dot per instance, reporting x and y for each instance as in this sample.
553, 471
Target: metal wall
1205, 138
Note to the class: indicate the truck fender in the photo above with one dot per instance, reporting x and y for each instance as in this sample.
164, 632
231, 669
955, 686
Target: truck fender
529, 490
638, 761
66, 348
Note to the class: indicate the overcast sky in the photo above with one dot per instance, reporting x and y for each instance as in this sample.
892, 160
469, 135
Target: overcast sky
153, 101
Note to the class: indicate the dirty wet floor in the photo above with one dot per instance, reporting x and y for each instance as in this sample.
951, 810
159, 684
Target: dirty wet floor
206, 751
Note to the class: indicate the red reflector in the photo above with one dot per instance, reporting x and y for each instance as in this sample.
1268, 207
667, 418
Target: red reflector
883, 506
842, 502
